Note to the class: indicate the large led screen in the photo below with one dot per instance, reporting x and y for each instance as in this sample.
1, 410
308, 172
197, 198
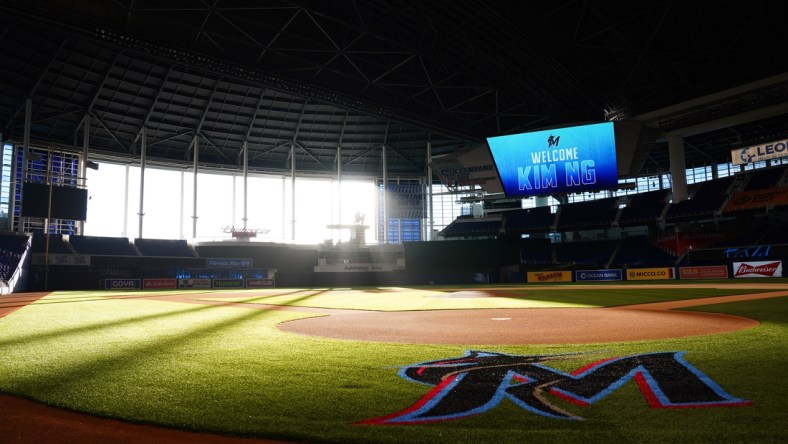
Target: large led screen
67, 202
562, 160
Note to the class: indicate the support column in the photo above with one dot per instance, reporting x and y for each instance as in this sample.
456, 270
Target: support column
25, 156
331, 202
339, 173
181, 211
430, 215
339, 184
293, 192
196, 143
678, 169
282, 211
12, 187
246, 183
126, 204
233, 198
385, 197
83, 168
143, 151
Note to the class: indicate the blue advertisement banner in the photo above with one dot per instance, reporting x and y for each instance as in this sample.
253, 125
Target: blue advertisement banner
599, 275
228, 262
561, 160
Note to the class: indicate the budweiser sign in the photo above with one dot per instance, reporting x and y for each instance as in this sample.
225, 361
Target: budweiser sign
758, 269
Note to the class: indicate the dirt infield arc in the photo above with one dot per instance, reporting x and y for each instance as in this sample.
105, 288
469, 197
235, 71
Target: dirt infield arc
30, 422
528, 326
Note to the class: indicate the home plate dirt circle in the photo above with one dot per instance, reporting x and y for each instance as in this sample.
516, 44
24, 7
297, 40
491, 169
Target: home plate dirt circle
517, 326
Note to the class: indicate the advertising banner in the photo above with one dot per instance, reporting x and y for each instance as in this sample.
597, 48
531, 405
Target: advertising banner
61, 259
707, 272
356, 267
758, 269
159, 283
599, 275
260, 282
121, 284
748, 200
228, 262
549, 276
228, 283
771, 150
194, 283
650, 274
561, 160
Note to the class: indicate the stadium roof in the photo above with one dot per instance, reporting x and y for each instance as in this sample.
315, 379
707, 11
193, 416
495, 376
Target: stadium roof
364, 74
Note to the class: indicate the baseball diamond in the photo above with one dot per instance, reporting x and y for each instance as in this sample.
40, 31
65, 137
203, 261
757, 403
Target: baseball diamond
36, 421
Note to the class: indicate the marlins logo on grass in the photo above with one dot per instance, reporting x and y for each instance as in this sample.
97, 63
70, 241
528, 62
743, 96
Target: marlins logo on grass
479, 381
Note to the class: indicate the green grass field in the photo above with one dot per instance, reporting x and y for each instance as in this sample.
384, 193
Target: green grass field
228, 370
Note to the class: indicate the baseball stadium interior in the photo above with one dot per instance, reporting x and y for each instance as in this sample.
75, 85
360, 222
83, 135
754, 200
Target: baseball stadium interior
407, 98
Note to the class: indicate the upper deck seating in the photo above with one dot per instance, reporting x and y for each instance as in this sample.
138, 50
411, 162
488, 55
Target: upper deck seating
588, 215
107, 246
643, 208
164, 247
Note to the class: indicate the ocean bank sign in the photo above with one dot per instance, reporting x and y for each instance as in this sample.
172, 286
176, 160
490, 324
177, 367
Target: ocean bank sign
562, 160
771, 150
599, 275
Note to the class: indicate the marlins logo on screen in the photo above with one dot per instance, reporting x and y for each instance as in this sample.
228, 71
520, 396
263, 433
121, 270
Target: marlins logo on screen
563, 160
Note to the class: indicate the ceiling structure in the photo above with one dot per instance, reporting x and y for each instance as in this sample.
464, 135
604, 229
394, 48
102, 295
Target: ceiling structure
334, 81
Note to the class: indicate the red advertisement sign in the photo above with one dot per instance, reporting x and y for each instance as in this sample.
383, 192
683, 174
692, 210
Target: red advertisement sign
159, 283
709, 272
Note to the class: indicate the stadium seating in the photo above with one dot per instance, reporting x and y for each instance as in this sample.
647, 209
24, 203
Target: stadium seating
107, 246
468, 226
530, 220
11, 249
647, 231
588, 215
643, 208
763, 178
706, 200
536, 251
591, 253
164, 247
57, 245
639, 251
774, 234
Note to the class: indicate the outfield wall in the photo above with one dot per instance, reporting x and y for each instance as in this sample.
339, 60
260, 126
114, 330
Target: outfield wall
460, 262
